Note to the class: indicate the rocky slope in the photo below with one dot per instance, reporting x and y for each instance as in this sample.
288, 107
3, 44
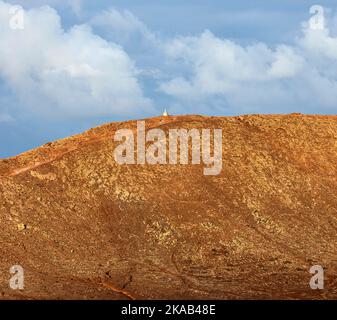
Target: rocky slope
84, 227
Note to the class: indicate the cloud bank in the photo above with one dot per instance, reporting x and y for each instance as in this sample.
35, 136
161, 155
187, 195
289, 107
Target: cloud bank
73, 73
115, 65
256, 78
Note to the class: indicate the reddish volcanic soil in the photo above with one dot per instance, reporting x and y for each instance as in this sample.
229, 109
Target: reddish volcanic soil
99, 230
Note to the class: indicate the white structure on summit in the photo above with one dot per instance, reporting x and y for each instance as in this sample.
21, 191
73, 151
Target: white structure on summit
165, 113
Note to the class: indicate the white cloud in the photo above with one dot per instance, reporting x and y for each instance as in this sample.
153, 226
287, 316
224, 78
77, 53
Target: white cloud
88, 70
286, 63
71, 73
120, 21
256, 77
123, 27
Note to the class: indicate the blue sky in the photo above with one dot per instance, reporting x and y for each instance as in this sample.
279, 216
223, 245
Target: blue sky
77, 63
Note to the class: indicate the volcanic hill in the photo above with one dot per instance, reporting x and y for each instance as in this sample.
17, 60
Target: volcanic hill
84, 227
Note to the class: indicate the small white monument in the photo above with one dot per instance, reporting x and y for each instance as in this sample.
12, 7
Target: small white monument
165, 113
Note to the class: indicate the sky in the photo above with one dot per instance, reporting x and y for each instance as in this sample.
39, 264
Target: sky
69, 65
